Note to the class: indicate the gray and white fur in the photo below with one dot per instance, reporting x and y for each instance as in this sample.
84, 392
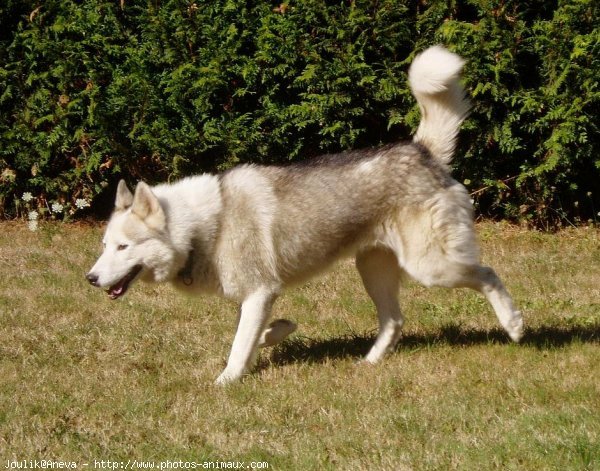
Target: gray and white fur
251, 232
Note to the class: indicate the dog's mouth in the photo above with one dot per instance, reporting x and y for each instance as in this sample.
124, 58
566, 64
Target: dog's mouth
120, 288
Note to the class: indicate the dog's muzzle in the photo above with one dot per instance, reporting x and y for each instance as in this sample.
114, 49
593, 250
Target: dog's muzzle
120, 287
92, 278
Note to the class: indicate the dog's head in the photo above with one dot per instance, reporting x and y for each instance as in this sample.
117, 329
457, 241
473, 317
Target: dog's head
136, 243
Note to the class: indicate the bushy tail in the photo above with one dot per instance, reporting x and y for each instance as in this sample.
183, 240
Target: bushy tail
434, 81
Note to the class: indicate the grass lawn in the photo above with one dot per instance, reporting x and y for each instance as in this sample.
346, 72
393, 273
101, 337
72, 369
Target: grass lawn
84, 378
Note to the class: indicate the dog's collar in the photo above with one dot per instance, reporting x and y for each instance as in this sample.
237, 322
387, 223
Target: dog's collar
186, 273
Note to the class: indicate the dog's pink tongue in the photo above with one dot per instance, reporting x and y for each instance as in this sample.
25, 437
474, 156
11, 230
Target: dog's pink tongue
115, 291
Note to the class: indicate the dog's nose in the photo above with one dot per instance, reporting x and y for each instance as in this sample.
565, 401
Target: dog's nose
92, 278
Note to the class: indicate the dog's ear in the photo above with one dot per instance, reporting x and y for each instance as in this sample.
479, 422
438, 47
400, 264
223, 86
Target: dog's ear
147, 207
124, 197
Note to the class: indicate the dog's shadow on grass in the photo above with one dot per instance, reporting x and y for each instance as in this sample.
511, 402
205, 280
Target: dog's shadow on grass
307, 350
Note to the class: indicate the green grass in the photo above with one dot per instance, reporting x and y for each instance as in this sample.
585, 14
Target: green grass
84, 378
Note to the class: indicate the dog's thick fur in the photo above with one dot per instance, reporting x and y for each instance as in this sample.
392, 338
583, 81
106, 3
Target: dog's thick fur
251, 232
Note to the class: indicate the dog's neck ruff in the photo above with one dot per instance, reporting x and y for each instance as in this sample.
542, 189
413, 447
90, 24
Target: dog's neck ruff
186, 273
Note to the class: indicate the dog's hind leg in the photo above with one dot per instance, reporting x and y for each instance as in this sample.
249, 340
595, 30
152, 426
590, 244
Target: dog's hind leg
451, 274
381, 274
485, 280
254, 315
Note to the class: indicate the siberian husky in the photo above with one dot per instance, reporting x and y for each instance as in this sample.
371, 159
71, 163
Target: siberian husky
249, 233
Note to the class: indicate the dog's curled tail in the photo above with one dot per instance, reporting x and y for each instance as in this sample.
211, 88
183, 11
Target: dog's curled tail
434, 81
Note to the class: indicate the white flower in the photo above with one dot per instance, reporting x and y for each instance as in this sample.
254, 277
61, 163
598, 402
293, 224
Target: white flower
27, 197
33, 215
82, 203
33, 225
57, 208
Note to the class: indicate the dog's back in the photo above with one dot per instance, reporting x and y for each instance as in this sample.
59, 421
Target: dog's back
304, 216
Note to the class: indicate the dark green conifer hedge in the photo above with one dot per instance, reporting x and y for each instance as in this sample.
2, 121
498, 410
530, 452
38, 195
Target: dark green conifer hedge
94, 90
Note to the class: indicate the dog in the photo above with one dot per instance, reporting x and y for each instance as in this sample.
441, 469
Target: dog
250, 232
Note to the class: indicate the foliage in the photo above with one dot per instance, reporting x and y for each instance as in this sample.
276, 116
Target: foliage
533, 74
94, 90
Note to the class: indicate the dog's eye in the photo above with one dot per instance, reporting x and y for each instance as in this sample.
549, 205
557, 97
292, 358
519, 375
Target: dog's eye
122, 246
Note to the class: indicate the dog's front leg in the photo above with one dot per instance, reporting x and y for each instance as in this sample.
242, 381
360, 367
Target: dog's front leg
254, 315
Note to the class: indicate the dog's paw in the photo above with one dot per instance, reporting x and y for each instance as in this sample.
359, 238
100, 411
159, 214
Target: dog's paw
226, 378
276, 332
515, 328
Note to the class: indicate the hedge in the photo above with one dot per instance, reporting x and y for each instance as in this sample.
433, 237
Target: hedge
91, 91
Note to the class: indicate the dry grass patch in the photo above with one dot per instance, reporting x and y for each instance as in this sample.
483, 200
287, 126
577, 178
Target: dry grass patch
84, 378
